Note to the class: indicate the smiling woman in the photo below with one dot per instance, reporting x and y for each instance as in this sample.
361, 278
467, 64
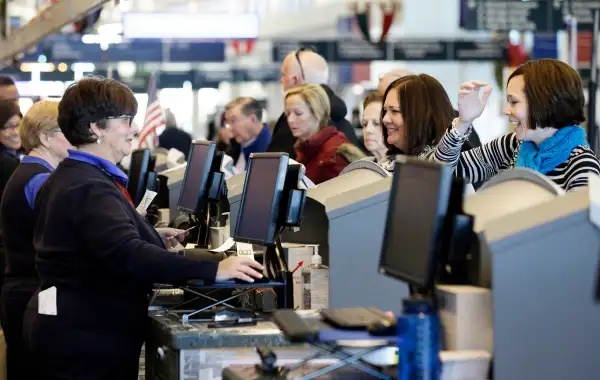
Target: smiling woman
93, 248
416, 115
545, 103
10, 117
10, 142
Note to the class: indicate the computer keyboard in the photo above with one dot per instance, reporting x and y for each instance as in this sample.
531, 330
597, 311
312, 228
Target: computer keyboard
353, 318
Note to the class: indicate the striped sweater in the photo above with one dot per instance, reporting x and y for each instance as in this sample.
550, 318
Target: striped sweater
484, 162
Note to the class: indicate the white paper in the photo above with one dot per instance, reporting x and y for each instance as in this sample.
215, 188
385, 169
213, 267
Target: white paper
149, 196
227, 245
47, 301
245, 249
174, 157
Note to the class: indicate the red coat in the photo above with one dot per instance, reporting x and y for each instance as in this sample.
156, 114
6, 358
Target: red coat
321, 154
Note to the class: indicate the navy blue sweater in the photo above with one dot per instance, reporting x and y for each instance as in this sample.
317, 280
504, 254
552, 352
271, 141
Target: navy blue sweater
17, 219
101, 255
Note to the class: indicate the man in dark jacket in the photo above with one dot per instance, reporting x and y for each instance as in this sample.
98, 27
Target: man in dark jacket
308, 67
173, 137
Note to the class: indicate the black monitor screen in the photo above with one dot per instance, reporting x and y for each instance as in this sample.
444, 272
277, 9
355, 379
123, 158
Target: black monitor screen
259, 209
416, 218
138, 170
196, 176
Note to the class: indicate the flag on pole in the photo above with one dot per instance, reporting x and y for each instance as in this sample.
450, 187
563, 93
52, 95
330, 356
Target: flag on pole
153, 119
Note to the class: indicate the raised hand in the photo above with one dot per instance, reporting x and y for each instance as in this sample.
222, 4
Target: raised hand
470, 104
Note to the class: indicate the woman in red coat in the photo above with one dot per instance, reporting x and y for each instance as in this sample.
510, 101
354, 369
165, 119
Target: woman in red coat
320, 147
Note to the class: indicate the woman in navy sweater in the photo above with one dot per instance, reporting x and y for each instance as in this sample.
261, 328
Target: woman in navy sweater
97, 258
10, 145
47, 146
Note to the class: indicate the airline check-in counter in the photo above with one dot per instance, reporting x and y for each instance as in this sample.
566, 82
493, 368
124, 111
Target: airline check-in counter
199, 342
534, 246
544, 277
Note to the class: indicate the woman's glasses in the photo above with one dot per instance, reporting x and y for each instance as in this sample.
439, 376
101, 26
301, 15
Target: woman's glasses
125, 118
9, 126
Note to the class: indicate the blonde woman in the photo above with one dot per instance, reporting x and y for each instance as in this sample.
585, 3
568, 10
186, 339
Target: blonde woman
46, 147
321, 148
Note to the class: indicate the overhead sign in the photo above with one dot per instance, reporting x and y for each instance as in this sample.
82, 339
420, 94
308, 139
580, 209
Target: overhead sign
196, 52
545, 46
165, 79
72, 49
405, 50
539, 15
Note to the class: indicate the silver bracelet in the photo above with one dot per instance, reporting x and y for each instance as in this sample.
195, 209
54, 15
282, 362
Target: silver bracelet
456, 134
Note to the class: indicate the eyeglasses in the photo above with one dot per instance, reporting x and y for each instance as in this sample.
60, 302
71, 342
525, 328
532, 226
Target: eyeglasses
7, 126
297, 55
127, 118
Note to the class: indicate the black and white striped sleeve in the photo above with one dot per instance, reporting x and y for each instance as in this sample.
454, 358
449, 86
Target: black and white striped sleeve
477, 164
447, 150
484, 162
582, 163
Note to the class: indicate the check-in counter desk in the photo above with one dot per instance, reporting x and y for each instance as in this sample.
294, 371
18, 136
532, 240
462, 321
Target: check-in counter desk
178, 351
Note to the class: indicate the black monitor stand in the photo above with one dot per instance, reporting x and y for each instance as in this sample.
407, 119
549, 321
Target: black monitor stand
276, 267
456, 268
210, 211
203, 222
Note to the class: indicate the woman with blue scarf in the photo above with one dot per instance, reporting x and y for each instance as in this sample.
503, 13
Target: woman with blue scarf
545, 103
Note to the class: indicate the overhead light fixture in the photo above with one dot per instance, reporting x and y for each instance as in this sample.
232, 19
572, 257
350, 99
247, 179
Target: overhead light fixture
37, 67
101, 39
190, 25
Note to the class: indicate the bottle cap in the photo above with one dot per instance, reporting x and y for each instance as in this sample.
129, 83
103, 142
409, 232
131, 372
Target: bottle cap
316, 259
419, 304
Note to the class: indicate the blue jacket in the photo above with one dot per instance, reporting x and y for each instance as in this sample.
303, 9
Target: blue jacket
259, 145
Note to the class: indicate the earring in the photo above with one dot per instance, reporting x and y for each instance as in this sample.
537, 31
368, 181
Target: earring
99, 140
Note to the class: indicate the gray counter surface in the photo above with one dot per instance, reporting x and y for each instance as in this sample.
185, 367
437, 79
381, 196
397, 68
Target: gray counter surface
167, 329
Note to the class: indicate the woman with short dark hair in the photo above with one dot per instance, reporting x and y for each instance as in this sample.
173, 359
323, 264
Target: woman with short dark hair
10, 141
10, 154
545, 104
96, 257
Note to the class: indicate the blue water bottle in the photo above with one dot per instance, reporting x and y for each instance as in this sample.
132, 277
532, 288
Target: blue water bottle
419, 343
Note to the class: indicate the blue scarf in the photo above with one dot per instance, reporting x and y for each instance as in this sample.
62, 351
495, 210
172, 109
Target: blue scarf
551, 152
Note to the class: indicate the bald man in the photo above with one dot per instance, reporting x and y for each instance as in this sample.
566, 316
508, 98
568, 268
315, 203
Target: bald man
386, 79
307, 67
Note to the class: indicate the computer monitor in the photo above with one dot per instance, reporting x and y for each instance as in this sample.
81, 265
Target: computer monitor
142, 163
197, 182
416, 223
261, 198
203, 185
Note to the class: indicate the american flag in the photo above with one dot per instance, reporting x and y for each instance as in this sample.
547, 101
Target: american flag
153, 119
